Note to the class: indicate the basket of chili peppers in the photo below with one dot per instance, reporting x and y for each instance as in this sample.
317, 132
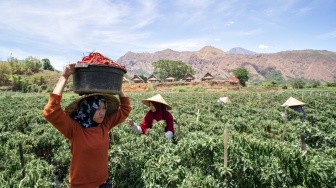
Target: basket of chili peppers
96, 73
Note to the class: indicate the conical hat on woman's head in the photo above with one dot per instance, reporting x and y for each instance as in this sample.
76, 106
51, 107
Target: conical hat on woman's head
112, 104
157, 98
293, 102
225, 99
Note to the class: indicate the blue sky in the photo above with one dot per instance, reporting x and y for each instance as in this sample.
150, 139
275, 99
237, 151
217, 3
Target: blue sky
65, 30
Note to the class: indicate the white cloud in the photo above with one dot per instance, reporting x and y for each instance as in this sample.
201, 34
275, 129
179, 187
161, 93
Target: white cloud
329, 35
249, 33
179, 46
65, 30
229, 23
262, 46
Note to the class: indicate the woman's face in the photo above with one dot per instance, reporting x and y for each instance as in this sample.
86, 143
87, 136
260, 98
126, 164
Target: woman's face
152, 107
99, 115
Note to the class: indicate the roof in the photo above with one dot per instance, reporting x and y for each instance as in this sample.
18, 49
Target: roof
125, 79
153, 78
188, 77
170, 77
207, 76
233, 79
137, 78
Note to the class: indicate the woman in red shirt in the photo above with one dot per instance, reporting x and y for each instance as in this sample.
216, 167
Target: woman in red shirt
86, 123
158, 111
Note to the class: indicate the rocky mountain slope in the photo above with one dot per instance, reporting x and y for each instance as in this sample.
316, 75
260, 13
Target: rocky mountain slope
309, 64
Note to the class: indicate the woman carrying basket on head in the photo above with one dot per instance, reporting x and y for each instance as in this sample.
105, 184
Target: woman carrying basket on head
158, 111
86, 123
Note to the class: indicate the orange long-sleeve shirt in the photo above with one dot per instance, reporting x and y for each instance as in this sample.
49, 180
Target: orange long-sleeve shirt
89, 146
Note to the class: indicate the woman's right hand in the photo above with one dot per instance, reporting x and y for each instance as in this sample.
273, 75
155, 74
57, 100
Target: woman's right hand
130, 122
68, 70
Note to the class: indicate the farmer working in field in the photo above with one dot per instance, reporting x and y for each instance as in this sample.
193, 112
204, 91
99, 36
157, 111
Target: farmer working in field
86, 123
158, 111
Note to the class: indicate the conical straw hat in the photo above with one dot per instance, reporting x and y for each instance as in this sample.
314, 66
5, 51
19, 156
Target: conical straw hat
157, 98
112, 104
225, 99
293, 102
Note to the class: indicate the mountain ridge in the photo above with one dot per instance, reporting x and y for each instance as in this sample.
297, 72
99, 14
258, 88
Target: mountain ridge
309, 64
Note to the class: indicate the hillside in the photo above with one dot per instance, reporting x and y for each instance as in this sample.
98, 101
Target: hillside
309, 64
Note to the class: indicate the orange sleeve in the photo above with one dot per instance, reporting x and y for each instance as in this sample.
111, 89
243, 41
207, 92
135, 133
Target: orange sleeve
57, 117
120, 115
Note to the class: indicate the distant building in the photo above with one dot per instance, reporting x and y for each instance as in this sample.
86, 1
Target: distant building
125, 80
233, 80
153, 78
207, 76
188, 77
137, 79
170, 78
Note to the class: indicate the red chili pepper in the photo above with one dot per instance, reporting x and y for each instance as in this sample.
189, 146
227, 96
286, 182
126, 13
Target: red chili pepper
98, 58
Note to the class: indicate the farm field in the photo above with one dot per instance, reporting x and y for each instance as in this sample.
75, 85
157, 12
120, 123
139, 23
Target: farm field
256, 157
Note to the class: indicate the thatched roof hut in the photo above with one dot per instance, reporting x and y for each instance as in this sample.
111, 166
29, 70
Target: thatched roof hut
153, 78
170, 78
207, 76
188, 77
125, 80
233, 80
137, 79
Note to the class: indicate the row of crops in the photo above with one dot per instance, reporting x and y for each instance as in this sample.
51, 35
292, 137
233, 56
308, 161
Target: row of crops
34, 154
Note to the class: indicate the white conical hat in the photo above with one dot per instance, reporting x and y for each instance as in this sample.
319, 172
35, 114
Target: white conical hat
225, 99
293, 102
157, 98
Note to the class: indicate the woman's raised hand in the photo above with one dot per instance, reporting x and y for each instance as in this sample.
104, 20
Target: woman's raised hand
68, 70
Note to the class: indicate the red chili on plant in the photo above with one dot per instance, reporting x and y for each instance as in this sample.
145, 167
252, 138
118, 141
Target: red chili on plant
98, 58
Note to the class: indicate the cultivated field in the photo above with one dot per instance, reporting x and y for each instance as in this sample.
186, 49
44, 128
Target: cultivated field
34, 154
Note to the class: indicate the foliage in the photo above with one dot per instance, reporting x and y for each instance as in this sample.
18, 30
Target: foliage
315, 83
273, 75
178, 69
32, 65
5, 72
298, 83
270, 84
16, 65
331, 84
46, 65
242, 75
255, 157
144, 78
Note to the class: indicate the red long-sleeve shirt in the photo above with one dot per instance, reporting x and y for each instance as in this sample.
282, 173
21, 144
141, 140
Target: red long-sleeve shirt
148, 120
89, 146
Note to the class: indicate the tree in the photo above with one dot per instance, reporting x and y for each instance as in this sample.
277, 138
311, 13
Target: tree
177, 69
16, 65
5, 72
46, 65
270, 84
315, 83
242, 75
298, 83
33, 64
143, 77
273, 75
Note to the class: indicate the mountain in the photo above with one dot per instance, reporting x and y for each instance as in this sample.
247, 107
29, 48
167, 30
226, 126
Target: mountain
242, 51
309, 64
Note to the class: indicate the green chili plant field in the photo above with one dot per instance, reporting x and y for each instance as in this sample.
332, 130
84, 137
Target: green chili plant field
294, 152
